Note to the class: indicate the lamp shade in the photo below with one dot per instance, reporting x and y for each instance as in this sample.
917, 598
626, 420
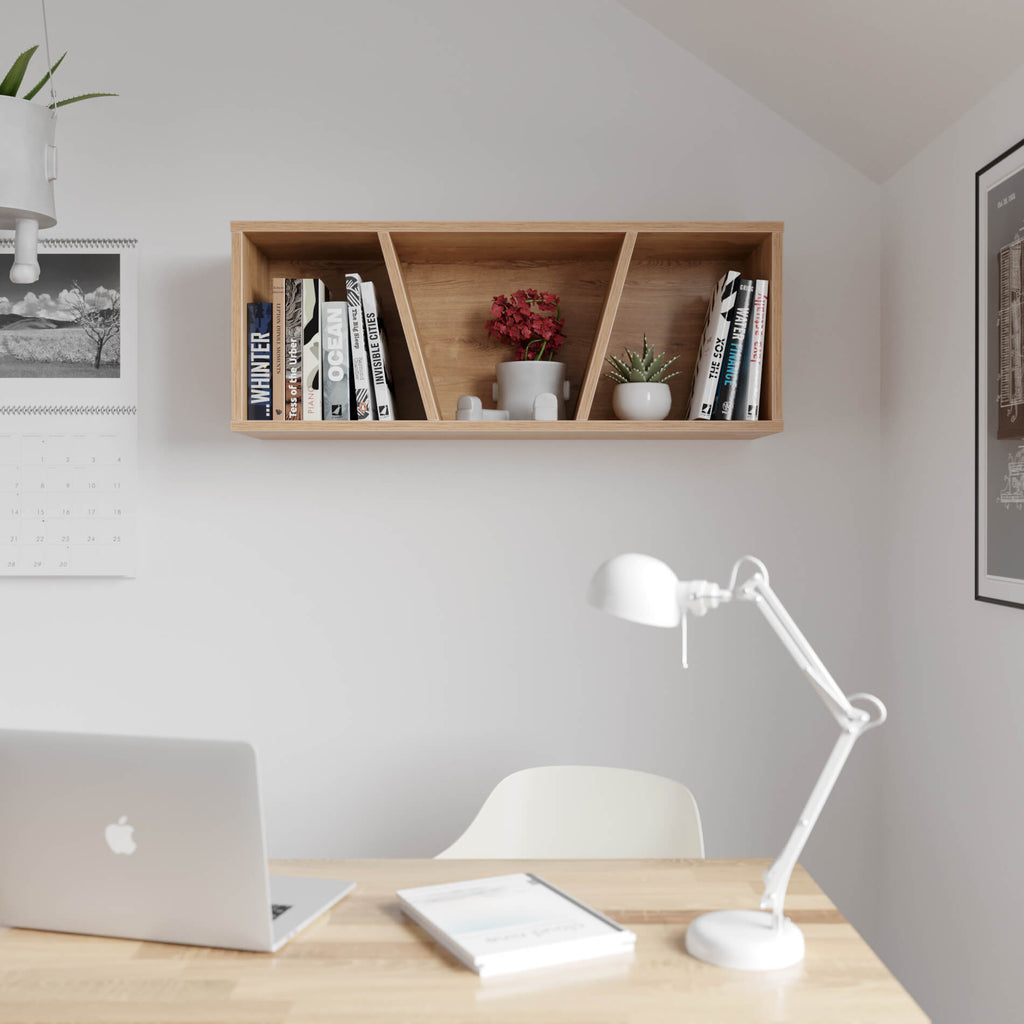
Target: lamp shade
638, 588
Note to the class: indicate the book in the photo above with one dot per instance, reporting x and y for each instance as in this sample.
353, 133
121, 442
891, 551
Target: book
512, 923
277, 350
313, 297
362, 404
259, 316
293, 348
729, 377
377, 352
748, 394
712, 347
337, 380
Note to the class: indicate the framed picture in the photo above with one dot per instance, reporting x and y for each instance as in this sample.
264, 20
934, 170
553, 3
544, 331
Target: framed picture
999, 380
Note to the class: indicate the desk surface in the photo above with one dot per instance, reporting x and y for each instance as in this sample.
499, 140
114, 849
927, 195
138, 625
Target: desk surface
363, 961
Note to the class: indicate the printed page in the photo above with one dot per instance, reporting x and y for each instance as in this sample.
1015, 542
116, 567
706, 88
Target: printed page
505, 914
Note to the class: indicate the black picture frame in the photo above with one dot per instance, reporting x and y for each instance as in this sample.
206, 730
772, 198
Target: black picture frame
999, 380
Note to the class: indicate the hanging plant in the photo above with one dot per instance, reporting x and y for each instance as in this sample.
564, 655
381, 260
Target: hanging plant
16, 75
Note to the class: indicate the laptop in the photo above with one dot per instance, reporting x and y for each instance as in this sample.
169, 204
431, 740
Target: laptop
144, 838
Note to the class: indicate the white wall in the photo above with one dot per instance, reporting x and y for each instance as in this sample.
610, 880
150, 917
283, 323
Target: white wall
448, 644
954, 839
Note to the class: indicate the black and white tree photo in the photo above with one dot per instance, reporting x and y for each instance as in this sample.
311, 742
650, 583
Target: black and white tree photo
66, 324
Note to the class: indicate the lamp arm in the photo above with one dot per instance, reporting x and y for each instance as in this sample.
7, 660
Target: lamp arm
853, 722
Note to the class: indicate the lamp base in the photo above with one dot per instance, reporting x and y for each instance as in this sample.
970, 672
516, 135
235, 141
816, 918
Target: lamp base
745, 939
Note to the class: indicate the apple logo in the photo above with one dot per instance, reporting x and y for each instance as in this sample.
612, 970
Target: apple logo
119, 836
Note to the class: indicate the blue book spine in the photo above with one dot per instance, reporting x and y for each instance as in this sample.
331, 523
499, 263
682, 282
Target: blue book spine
729, 380
260, 317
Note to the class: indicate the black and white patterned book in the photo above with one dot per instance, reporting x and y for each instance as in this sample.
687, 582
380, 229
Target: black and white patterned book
313, 295
362, 406
704, 389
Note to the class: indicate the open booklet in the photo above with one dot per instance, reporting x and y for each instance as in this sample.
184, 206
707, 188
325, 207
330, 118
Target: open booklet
513, 923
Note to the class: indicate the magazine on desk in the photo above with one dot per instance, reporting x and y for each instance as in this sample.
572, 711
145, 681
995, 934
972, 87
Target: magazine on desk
513, 923
68, 415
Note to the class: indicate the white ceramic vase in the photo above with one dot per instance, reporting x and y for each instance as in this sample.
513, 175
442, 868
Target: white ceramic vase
28, 167
641, 401
520, 383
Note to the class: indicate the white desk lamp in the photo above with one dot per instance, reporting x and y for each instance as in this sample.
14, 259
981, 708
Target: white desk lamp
645, 590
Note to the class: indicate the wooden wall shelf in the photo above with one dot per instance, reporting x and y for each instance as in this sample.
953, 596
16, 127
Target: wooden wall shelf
435, 282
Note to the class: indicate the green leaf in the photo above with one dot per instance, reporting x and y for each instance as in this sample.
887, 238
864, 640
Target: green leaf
620, 367
31, 93
12, 80
78, 99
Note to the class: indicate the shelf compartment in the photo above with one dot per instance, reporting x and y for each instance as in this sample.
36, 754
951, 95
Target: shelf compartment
260, 256
670, 280
452, 277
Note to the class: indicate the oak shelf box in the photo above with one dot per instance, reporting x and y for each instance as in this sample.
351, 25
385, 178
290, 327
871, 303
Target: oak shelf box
435, 282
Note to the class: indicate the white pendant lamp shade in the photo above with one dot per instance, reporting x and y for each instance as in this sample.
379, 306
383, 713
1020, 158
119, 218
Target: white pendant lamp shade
28, 167
638, 588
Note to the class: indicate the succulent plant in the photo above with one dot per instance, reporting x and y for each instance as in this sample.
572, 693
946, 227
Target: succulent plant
640, 368
11, 82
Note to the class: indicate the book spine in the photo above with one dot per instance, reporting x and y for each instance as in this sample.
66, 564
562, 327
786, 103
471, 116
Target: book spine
293, 348
712, 347
259, 316
730, 375
377, 350
748, 400
337, 376
313, 294
363, 399
277, 350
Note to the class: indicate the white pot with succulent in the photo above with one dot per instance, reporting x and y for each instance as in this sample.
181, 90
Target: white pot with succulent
641, 385
28, 162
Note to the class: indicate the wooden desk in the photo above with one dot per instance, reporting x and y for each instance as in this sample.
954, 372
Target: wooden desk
365, 962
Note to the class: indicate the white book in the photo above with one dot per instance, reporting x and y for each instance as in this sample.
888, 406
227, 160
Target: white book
377, 349
336, 377
748, 398
513, 923
712, 347
363, 408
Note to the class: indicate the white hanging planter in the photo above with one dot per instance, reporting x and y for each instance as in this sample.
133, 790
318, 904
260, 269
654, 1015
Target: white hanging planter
28, 168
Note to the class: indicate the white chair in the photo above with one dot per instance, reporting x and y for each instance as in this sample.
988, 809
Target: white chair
577, 811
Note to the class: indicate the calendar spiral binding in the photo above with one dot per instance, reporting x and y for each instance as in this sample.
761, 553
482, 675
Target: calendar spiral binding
68, 410
7, 242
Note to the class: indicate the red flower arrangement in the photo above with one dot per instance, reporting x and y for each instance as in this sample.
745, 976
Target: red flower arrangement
529, 320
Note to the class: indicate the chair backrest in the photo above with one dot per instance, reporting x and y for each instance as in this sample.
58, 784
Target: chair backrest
578, 811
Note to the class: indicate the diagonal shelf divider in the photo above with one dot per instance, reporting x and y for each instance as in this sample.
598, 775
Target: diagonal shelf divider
604, 327
412, 339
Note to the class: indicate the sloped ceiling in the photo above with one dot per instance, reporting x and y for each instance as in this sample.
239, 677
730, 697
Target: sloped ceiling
873, 80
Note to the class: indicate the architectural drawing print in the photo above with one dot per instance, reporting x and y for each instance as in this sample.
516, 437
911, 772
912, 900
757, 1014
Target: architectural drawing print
1012, 494
1011, 363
